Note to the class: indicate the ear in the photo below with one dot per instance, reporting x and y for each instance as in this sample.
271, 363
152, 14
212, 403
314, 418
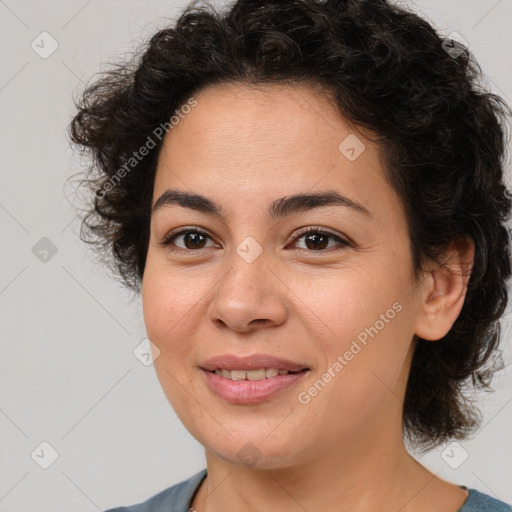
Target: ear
443, 290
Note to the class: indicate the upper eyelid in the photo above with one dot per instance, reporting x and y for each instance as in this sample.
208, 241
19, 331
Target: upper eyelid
187, 229
306, 229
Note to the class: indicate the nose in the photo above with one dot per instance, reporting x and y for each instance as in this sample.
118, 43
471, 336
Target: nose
248, 297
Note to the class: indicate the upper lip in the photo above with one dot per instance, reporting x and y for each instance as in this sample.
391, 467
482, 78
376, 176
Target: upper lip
252, 362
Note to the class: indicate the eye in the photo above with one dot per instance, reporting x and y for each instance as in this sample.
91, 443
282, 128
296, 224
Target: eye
191, 239
317, 240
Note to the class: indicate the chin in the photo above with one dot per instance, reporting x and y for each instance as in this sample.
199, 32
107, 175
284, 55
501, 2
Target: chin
253, 452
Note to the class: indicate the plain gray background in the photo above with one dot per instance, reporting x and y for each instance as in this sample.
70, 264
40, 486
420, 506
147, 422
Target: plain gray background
68, 375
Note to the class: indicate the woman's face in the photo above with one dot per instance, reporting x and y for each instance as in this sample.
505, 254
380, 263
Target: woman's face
341, 304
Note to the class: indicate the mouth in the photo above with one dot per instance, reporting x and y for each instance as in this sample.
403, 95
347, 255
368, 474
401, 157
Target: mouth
252, 379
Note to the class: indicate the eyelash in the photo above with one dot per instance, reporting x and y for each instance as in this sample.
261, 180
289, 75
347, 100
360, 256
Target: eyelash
167, 242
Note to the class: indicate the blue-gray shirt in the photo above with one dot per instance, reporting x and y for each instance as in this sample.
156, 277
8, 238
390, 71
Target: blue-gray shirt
178, 497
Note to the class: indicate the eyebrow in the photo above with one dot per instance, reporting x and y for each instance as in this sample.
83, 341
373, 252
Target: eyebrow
278, 208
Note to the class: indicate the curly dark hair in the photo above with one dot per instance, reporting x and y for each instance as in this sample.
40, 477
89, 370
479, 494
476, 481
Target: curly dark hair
442, 137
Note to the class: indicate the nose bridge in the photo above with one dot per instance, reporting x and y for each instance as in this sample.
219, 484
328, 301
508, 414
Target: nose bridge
248, 291
247, 262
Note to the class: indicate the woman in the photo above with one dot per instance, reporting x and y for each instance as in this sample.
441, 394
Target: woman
309, 197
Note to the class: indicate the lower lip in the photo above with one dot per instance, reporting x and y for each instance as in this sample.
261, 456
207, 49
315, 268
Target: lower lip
250, 391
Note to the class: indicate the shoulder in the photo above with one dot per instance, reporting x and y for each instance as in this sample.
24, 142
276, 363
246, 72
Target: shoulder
172, 499
480, 502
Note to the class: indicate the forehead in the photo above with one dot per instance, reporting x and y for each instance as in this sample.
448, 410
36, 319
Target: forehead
263, 132
228, 113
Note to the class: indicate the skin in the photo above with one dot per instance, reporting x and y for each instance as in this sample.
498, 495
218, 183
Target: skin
244, 147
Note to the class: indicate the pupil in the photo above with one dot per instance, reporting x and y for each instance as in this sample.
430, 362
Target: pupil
315, 238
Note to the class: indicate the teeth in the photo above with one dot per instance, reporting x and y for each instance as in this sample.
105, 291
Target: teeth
250, 374
238, 374
256, 374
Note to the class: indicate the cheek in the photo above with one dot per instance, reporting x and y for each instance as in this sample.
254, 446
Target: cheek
167, 308
365, 327
158, 310
342, 308
173, 304
168, 299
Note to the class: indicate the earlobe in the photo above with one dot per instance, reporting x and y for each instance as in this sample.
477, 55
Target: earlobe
443, 290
